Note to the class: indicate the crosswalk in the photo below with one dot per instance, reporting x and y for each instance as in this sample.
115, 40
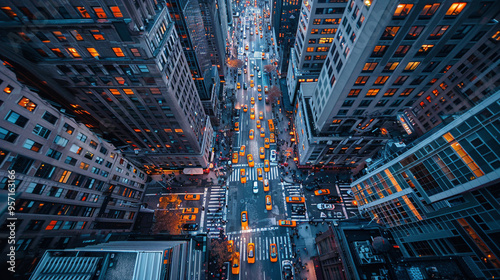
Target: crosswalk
262, 246
215, 210
294, 190
251, 173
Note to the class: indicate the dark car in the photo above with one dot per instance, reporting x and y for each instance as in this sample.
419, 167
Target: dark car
312, 187
245, 86
190, 227
332, 199
299, 209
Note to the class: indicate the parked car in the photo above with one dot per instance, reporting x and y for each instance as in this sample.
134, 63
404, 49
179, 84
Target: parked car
332, 199
190, 226
325, 206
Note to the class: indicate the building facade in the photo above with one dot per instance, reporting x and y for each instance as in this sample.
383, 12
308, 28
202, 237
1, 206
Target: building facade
440, 197
69, 185
385, 56
121, 63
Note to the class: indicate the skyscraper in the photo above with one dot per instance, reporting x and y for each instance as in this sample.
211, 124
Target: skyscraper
384, 57
441, 196
121, 64
69, 186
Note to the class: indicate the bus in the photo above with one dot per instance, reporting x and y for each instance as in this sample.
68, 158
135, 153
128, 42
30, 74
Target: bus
271, 125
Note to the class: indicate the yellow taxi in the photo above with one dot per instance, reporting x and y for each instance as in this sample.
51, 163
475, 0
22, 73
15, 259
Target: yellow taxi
269, 203
287, 223
191, 197
259, 88
322, 192
252, 100
273, 252
262, 132
259, 174
245, 108
266, 90
266, 185
266, 165
252, 74
258, 124
190, 211
251, 134
189, 218
244, 220
266, 143
236, 126
251, 163
262, 153
246, 47
242, 150
260, 28
263, 55
252, 113
235, 157
235, 263
261, 115
295, 199
238, 85
243, 177
251, 252
230, 245
271, 138
261, 36
260, 95
252, 84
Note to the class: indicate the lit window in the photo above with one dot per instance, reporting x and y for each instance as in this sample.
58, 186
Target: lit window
114, 91
83, 12
314, 31
391, 66
372, 92
407, 92
97, 35
118, 52
9, 12
496, 36
24, 36
381, 80
411, 66
73, 52
429, 10
77, 35
354, 92
390, 92
178, 130
32, 145
390, 32
317, 21
128, 91
99, 12
414, 32
425, 49
310, 49
438, 31
93, 52
403, 10
8, 89
379, 50
116, 11
402, 50
135, 52
59, 36
370, 66
28, 104
57, 52
455, 9
361, 80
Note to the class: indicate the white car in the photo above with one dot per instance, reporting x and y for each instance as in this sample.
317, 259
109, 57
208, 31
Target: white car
325, 206
273, 155
350, 193
255, 187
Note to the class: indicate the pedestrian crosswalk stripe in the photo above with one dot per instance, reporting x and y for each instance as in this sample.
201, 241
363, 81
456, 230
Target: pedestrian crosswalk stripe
262, 246
251, 173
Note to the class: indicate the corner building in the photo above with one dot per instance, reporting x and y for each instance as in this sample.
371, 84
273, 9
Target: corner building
385, 56
442, 196
121, 63
71, 185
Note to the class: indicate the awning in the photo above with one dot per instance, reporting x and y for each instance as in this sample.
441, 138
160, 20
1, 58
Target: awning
193, 171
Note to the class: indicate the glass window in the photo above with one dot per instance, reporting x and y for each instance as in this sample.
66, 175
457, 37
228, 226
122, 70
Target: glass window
402, 50
54, 154
76, 149
77, 35
429, 10
74, 52
381, 80
82, 137
32, 145
68, 128
93, 52
361, 80
390, 66
116, 11
354, 92
390, 32
64, 176
97, 35
57, 52
8, 136
61, 141
424, 49
118, 52
71, 161
438, 31
83, 12
402, 10
455, 9
49, 117
411, 66
99, 12
135, 52
372, 92
379, 51
16, 119
414, 32
390, 92
41, 131
60, 37
28, 104
8, 89
370, 66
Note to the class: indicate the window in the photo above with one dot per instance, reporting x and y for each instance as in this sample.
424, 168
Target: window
82, 137
411, 66
84, 166
310, 49
400, 80
372, 92
55, 192
116, 11
391, 66
370, 66
89, 155
322, 49
8, 89
59, 36
390, 32
438, 32
361, 80
61, 141
317, 21
314, 31
406, 92
462, 31
64, 176
49, 117
97, 35
93, 144
328, 30
68, 128
41, 131
16, 119
77, 35
54, 154
348, 103
7, 135
71, 161
143, 68
103, 150
402, 10
325, 40
354, 92
414, 32
402, 50
76, 149
365, 103
57, 52
390, 92
9, 12
381, 80
74, 52
99, 160
118, 52
429, 10
83, 12
99, 12
27, 104
32, 145
424, 49
45, 171
379, 51
93, 52
307, 57
331, 21
135, 52
455, 9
